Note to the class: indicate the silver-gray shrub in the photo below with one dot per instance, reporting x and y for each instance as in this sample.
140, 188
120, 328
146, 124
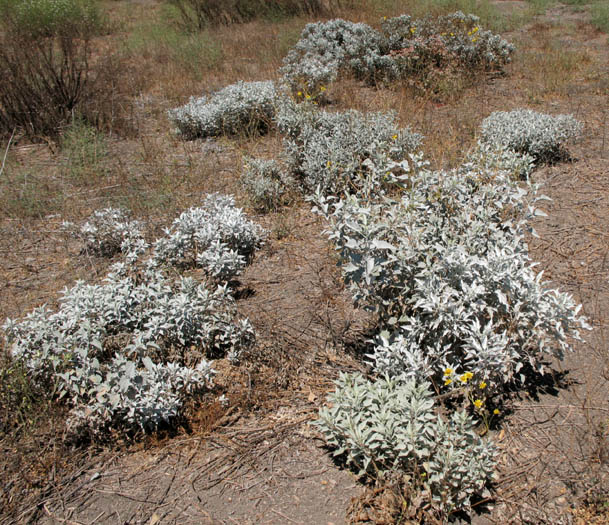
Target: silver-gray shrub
447, 270
390, 425
402, 48
336, 152
456, 39
265, 182
527, 131
326, 49
216, 236
491, 158
107, 232
244, 107
127, 352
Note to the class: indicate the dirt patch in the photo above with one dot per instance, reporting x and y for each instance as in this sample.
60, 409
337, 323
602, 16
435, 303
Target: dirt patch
291, 481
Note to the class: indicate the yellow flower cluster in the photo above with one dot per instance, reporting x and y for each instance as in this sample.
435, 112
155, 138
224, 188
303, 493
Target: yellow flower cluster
466, 377
472, 33
308, 96
447, 380
477, 399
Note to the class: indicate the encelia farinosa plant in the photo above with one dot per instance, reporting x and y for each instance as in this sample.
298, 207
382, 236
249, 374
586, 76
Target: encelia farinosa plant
341, 152
244, 107
216, 236
107, 232
447, 271
326, 49
266, 183
526, 131
403, 48
451, 41
127, 353
389, 425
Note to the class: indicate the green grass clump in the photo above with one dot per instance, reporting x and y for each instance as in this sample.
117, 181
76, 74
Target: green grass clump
28, 193
84, 149
600, 16
193, 54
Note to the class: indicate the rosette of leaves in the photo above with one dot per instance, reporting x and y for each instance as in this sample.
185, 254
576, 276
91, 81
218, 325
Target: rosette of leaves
389, 425
244, 107
447, 270
338, 152
526, 131
216, 236
326, 49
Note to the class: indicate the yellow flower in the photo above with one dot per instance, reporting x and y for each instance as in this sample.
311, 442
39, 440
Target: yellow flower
394, 137
496, 412
466, 377
308, 97
448, 382
475, 29
482, 385
452, 34
448, 371
384, 18
423, 474
413, 29
474, 39
322, 88
478, 403
299, 93
328, 164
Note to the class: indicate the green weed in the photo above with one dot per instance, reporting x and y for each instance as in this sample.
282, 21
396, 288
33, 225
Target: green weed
28, 193
600, 16
192, 53
539, 7
84, 150
18, 398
